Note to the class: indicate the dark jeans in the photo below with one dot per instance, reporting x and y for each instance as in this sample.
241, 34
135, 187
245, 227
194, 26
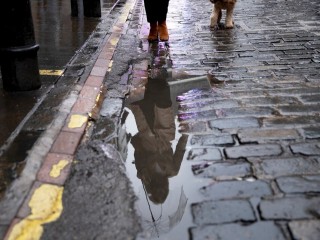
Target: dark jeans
156, 10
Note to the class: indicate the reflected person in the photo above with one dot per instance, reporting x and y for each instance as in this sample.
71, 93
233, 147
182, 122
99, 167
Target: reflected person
154, 157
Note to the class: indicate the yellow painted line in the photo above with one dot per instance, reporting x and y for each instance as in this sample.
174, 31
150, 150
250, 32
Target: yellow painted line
114, 40
110, 65
47, 72
57, 168
76, 121
46, 206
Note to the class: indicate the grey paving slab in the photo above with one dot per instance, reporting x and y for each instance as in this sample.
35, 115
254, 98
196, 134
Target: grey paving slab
237, 189
289, 208
308, 230
259, 230
214, 212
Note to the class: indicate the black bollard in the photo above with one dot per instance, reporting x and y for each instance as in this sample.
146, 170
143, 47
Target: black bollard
18, 49
92, 8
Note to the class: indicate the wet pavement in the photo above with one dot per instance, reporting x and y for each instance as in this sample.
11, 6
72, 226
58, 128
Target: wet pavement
227, 119
60, 36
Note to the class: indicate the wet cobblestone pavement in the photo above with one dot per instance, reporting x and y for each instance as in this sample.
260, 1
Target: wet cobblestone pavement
254, 135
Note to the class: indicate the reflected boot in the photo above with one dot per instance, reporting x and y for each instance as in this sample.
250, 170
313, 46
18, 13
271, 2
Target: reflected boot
163, 31
153, 34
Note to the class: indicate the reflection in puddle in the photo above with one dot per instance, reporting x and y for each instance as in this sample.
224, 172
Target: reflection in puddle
162, 179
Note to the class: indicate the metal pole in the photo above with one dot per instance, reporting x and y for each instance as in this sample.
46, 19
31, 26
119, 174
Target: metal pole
92, 8
18, 49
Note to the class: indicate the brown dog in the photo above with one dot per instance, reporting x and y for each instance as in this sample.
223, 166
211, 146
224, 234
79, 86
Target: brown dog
228, 5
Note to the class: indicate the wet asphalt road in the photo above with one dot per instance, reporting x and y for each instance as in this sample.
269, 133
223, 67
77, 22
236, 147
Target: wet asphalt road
253, 138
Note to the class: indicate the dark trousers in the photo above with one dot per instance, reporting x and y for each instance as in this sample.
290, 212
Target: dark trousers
156, 10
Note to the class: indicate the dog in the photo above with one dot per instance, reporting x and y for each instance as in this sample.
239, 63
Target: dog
216, 15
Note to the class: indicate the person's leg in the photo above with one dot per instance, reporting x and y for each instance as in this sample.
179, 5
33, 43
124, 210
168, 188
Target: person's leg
162, 16
151, 12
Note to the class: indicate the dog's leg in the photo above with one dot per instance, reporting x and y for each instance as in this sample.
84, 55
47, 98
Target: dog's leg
229, 17
215, 16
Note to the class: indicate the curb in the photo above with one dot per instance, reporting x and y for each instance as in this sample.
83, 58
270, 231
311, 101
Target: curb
56, 148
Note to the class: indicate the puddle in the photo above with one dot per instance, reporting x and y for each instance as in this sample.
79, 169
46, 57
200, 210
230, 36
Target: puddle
164, 207
161, 176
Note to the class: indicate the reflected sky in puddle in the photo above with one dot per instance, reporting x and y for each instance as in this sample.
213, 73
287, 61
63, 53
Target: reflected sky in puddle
161, 176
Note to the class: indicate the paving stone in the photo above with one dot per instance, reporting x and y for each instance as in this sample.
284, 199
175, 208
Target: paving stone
290, 208
236, 189
253, 150
66, 143
94, 81
295, 91
226, 211
248, 112
269, 101
271, 168
306, 230
311, 98
294, 121
247, 122
308, 149
204, 154
262, 135
312, 132
55, 168
197, 115
211, 140
223, 171
193, 127
298, 109
299, 184
259, 230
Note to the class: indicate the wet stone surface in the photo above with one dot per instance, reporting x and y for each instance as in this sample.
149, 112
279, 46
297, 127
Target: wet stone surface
260, 230
270, 168
253, 137
303, 184
261, 114
98, 177
305, 229
237, 189
226, 211
223, 171
290, 208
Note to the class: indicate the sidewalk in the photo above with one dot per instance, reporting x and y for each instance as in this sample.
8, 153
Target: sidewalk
256, 134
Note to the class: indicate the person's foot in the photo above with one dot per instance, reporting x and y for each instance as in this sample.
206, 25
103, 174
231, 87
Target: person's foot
153, 34
163, 31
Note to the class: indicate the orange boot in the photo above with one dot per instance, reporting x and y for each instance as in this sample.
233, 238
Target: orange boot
153, 34
163, 31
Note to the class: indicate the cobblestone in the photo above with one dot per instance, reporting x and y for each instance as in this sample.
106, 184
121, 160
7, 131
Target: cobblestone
309, 230
270, 168
301, 184
260, 230
253, 151
211, 140
263, 135
236, 189
204, 154
247, 122
290, 208
307, 149
226, 211
225, 170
